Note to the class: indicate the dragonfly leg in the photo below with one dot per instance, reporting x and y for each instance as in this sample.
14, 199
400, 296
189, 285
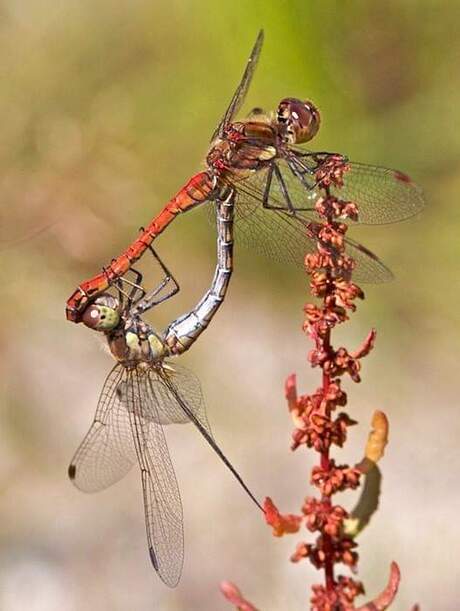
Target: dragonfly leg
153, 298
266, 196
118, 284
136, 285
289, 207
128, 294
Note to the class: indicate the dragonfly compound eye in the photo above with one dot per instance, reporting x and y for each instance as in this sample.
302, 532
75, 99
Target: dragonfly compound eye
299, 121
100, 317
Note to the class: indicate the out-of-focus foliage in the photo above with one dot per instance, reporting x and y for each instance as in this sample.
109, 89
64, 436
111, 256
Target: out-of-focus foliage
107, 108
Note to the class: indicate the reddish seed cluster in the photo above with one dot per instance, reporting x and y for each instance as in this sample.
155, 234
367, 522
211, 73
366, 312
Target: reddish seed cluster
341, 597
332, 479
321, 259
345, 293
324, 551
330, 172
336, 207
336, 362
321, 516
314, 415
311, 417
317, 425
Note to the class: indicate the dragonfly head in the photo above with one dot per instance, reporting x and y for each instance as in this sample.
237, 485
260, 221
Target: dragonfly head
103, 314
298, 120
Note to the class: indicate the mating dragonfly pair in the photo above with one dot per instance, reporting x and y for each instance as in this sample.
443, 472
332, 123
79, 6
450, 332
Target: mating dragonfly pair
257, 175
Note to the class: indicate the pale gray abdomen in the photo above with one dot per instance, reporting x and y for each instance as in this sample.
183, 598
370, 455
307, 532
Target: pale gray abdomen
181, 334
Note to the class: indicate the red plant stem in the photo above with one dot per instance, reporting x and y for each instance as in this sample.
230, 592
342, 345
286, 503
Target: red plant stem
325, 464
326, 345
316, 425
324, 459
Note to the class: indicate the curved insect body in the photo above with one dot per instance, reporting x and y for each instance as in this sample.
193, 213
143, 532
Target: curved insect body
181, 334
131, 339
145, 391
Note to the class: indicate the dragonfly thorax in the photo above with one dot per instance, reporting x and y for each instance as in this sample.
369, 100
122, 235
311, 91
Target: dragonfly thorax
245, 146
135, 342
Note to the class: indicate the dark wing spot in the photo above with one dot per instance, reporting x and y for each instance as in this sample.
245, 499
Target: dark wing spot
402, 177
368, 252
72, 471
153, 558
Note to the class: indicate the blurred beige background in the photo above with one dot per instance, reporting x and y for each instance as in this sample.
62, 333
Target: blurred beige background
107, 108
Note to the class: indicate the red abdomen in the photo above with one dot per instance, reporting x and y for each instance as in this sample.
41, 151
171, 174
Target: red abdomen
195, 192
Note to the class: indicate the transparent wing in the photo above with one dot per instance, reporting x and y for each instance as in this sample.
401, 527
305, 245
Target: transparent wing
382, 195
284, 237
194, 408
242, 89
369, 268
6, 243
162, 503
159, 404
162, 405
107, 452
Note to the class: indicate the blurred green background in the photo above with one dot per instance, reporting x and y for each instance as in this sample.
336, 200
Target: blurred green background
107, 108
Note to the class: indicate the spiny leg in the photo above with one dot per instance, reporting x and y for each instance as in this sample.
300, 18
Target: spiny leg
289, 207
133, 286
152, 298
136, 285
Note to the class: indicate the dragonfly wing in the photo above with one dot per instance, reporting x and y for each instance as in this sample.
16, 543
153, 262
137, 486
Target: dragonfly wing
160, 405
369, 268
193, 405
17, 241
273, 233
268, 232
162, 502
155, 404
107, 452
382, 195
285, 237
178, 396
242, 89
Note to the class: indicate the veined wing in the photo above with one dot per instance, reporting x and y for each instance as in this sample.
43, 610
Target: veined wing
382, 195
162, 503
173, 394
197, 415
285, 237
242, 89
161, 399
107, 452
17, 241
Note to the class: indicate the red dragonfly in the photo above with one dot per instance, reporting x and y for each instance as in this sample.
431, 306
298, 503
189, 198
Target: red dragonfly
277, 188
